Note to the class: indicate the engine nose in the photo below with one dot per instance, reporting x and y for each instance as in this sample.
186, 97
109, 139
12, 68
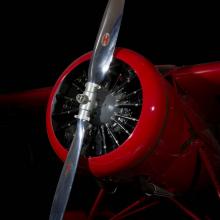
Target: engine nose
129, 113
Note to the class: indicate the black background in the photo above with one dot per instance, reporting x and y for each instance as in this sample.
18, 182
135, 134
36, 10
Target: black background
39, 40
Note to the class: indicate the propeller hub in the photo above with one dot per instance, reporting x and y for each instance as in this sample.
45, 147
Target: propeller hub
87, 101
82, 99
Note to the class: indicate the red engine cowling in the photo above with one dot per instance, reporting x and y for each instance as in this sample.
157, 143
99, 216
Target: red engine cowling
160, 146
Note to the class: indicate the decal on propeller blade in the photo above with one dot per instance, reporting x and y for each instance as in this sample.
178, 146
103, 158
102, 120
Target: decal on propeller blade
105, 39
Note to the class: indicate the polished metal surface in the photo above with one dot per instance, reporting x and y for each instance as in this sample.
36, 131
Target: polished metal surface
99, 66
68, 173
89, 94
103, 51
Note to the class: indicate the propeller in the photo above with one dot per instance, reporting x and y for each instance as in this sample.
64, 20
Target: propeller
98, 69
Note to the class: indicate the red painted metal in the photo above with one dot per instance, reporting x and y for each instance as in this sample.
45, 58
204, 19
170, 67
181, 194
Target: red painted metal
78, 215
185, 163
170, 151
206, 144
129, 208
202, 83
184, 209
169, 136
149, 127
210, 169
26, 99
156, 148
142, 140
94, 210
207, 71
138, 210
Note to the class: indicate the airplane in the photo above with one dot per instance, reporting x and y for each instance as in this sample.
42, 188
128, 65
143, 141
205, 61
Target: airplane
146, 134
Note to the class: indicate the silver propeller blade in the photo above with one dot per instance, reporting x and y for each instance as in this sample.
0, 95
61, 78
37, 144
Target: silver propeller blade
106, 41
68, 173
99, 65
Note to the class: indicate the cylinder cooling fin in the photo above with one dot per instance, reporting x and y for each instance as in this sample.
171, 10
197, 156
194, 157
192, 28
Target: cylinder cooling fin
125, 124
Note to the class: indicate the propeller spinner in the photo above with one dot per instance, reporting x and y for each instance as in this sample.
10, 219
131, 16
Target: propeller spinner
98, 69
